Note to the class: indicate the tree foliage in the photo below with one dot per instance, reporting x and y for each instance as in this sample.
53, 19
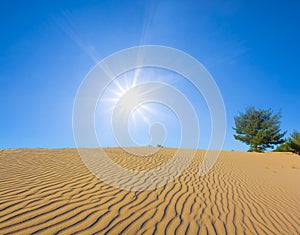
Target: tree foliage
292, 144
258, 128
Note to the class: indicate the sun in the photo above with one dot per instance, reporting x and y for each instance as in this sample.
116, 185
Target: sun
133, 104
125, 96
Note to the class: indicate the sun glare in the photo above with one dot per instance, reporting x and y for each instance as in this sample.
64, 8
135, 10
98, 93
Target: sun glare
132, 102
123, 94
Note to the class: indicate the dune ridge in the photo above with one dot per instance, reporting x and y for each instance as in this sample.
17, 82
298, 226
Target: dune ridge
50, 191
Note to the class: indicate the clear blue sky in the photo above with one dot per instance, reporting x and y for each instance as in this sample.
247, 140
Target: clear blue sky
251, 48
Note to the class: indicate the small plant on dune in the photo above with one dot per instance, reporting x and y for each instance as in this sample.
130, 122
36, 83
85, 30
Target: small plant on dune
258, 128
291, 144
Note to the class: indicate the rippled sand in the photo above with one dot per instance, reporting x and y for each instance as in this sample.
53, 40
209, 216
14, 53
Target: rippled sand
51, 191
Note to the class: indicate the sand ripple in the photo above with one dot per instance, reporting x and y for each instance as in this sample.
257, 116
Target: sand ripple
50, 191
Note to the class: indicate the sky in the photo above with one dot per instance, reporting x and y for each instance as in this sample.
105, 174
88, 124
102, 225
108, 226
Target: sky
250, 48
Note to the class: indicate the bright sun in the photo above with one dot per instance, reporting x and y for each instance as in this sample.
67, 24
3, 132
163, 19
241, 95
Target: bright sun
125, 95
131, 108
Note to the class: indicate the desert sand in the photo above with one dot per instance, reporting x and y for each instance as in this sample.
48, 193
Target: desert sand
50, 191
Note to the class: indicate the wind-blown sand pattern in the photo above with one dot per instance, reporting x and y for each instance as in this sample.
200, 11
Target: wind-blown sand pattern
50, 191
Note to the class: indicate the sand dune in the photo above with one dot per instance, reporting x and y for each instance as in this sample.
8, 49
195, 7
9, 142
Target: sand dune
51, 191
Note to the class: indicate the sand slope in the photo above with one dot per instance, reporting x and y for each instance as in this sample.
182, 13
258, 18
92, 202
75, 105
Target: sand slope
51, 191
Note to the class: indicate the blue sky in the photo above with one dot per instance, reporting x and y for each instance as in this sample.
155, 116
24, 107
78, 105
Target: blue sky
251, 49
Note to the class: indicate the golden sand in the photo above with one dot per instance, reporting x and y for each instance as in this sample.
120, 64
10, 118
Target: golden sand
51, 191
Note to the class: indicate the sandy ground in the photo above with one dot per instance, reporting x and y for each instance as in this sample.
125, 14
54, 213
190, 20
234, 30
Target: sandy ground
51, 191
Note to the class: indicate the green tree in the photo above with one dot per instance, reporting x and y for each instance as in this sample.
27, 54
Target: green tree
284, 147
258, 128
292, 144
